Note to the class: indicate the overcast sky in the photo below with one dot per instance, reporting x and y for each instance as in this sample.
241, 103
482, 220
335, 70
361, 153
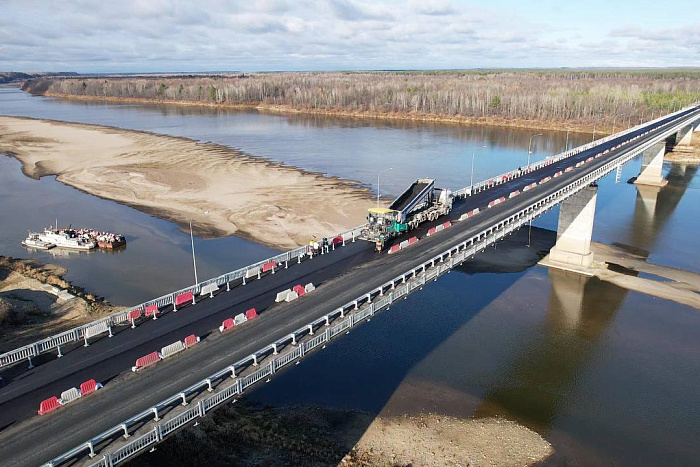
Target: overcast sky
267, 35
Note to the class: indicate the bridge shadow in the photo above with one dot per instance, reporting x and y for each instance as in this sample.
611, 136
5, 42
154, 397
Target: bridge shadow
315, 412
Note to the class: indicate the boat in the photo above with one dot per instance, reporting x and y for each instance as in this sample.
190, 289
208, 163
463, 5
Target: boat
110, 241
33, 241
67, 238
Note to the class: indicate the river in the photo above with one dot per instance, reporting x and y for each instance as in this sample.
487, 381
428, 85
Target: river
606, 375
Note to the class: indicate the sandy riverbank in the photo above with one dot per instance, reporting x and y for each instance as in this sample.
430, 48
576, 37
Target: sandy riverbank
246, 434
220, 190
35, 301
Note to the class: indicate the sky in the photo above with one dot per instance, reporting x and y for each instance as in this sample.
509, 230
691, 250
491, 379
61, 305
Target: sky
278, 35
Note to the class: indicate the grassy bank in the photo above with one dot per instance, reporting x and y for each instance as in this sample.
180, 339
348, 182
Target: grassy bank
545, 99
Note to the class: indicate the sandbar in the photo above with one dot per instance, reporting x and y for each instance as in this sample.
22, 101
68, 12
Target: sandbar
220, 190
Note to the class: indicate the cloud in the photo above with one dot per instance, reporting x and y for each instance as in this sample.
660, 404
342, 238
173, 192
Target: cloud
180, 35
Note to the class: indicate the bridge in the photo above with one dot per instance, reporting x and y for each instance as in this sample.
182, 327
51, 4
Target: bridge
136, 410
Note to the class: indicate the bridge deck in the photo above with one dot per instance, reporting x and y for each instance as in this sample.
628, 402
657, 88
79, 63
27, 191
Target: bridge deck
340, 277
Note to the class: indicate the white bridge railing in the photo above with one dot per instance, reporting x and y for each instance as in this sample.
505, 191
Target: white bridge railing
80, 333
508, 176
230, 380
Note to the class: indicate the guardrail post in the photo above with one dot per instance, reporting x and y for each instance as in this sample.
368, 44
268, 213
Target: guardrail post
356, 306
174, 306
200, 405
126, 431
86, 341
301, 350
294, 338
274, 349
353, 236
59, 351
228, 284
327, 335
272, 367
209, 388
233, 371
193, 295
259, 272
328, 320
109, 330
311, 329
155, 414
184, 398
255, 359
342, 312
159, 432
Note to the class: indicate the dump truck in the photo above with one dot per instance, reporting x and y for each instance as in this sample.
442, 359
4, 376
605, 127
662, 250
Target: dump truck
419, 203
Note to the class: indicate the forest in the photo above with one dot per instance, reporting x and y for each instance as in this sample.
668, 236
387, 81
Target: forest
612, 98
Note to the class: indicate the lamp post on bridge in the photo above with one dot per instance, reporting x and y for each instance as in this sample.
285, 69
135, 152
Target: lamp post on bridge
529, 149
194, 259
471, 176
381, 172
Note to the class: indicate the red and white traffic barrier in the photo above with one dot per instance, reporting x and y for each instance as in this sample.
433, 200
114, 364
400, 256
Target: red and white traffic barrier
226, 325
151, 310
568, 169
269, 266
558, 174
133, 315
191, 341
299, 289
251, 314
394, 249
513, 194
530, 186
184, 298
69, 395
146, 361
431, 231
545, 180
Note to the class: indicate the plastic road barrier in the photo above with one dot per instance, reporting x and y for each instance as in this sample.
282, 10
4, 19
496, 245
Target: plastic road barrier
69, 395
431, 231
191, 341
412, 240
184, 298
447, 224
558, 174
209, 289
251, 314
239, 319
299, 289
403, 244
88, 387
282, 296
394, 249
513, 194
134, 314
146, 360
151, 310
226, 325
269, 266
338, 240
49, 405
530, 186
310, 287
439, 228
568, 169
545, 180
252, 272
590, 159
172, 349
291, 296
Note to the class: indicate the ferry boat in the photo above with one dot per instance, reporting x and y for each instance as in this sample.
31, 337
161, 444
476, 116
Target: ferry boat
33, 241
67, 238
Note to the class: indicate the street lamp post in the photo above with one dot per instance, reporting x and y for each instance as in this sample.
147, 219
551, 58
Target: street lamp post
529, 149
390, 168
194, 259
471, 176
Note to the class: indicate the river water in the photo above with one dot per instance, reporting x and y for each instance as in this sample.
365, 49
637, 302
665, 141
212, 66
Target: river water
606, 375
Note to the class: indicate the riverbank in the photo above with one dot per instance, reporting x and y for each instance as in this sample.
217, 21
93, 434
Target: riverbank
247, 434
685, 154
35, 301
492, 121
220, 190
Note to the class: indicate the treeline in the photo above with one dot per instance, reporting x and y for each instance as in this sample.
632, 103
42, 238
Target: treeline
607, 96
18, 76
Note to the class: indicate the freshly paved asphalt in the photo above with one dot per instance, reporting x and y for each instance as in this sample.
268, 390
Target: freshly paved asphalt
340, 276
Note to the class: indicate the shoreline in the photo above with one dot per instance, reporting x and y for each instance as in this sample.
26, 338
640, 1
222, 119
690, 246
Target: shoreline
574, 127
223, 191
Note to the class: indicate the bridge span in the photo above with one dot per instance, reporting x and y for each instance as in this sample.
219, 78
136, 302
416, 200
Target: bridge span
137, 410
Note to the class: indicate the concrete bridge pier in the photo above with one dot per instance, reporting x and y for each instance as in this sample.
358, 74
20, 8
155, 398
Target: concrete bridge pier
652, 163
685, 135
575, 229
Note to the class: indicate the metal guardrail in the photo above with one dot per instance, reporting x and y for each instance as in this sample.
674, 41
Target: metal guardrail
78, 334
508, 176
350, 314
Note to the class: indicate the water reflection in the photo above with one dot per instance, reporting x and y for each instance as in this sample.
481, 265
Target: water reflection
537, 387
